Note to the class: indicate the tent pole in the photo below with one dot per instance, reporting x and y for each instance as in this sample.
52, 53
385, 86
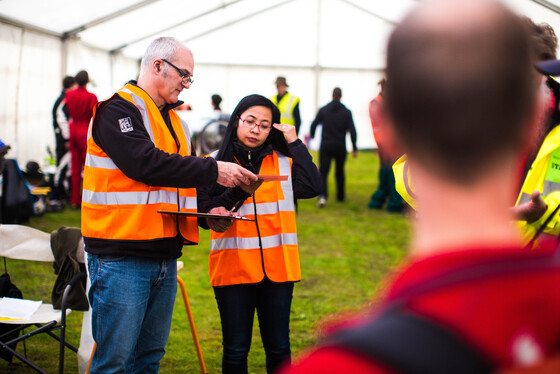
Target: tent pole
64, 58
16, 104
317, 55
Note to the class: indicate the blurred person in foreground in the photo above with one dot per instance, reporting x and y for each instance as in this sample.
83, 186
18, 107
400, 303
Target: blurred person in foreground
536, 207
468, 298
139, 161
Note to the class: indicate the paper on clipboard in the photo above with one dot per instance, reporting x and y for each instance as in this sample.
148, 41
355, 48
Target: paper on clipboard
206, 215
270, 178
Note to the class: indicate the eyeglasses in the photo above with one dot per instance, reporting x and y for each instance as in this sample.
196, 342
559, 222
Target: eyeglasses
186, 77
250, 123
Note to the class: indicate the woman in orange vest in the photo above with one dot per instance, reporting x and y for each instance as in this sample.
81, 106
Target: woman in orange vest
254, 264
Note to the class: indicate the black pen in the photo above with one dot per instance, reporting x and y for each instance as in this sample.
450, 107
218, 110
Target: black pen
236, 206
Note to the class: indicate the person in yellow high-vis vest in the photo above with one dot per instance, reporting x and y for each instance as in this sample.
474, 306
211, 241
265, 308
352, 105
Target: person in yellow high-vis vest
139, 161
287, 103
254, 264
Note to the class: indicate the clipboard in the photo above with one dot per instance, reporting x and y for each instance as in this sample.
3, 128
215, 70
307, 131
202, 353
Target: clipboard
206, 215
271, 178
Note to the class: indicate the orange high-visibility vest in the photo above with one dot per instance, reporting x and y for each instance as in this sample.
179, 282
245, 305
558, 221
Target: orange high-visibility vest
374, 125
250, 251
117, 207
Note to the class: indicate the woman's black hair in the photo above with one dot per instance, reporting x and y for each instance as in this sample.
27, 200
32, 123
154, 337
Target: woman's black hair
276, 137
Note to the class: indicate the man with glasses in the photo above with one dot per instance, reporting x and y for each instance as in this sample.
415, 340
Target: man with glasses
139, 161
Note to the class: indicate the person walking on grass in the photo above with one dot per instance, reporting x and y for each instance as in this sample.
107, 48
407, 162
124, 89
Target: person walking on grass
337, 121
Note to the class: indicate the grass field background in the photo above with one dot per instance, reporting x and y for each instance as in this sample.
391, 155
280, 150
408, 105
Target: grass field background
345, 249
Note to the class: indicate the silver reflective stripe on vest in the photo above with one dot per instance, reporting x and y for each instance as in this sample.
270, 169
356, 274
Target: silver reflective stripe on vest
252, 243
286, 205
288, 113
100, 162
141, 105
138, 198
186, 131
525, 198
549, 187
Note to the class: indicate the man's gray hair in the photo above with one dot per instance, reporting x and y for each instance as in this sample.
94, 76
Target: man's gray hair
161, 48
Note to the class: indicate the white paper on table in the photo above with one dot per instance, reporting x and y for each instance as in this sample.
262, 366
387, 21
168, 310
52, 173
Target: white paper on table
17, 309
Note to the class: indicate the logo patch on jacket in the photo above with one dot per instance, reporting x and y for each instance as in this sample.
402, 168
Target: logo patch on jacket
125, 124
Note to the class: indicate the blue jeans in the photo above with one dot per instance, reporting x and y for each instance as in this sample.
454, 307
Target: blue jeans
237, 306
132, 302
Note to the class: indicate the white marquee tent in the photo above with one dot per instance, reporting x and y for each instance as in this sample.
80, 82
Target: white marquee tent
239, 46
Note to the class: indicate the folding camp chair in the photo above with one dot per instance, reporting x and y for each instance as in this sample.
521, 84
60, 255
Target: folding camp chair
25, 243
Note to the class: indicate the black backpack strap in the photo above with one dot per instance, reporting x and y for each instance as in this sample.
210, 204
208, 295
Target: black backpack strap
409, 343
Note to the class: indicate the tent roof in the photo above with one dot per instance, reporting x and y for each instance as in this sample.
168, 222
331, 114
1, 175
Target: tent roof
239, 46
309, 28
127, 26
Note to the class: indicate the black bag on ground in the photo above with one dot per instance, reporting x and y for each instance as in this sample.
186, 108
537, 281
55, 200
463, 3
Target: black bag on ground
8, 289
17, 201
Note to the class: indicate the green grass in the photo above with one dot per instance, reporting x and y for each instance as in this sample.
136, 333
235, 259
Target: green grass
346, 250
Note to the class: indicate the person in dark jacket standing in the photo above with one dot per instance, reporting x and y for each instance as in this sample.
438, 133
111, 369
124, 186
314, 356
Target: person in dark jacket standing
337, 122
60, 118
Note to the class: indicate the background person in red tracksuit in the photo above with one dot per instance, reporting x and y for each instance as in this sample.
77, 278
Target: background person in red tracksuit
469, 298
80, 103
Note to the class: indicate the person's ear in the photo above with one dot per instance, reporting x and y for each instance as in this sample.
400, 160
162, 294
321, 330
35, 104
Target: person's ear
157, 66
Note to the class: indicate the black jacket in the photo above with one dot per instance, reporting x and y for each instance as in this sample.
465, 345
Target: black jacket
337, 121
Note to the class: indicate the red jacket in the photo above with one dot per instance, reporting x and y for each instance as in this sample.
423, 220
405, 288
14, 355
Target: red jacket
80, 103
509, 319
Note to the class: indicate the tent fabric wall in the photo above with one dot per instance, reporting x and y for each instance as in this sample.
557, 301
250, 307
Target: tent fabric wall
239, 47
31, 72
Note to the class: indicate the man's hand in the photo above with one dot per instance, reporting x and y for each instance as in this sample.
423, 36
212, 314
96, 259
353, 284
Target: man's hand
532, 210
220, 224
232, 175
252, 187
354, 154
